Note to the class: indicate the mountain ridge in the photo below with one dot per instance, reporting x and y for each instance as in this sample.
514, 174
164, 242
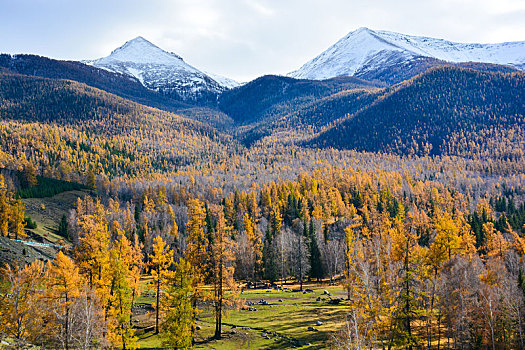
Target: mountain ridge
115, 83
444, 111
162, 71
365, 50
126, 137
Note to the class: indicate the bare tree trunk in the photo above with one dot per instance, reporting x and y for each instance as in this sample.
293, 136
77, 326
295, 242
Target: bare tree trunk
407, 320
428, 332
67, 322
282, 263
255, 275
491, 325
391, 341
158, 299
348, 287
194, 311
519, 327
439, 330
218, 304
123, 338
429, 318
132, 302
300, 267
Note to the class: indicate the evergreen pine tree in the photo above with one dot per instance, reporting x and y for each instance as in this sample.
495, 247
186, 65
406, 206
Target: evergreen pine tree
316, 270
270, 267
62, 228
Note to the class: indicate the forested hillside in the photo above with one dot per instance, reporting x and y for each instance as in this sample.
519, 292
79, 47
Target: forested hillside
271, 96
303, 122
453, 107
446, 110
354, 215
114, 83
66, 128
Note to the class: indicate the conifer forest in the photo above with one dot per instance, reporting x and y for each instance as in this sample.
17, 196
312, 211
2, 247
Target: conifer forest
378, 210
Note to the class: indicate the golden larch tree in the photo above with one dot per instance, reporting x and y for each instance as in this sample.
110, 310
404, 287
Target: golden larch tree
21, 316
161, 261
179, 322
121, 256
222, 266
92, 252
62, 286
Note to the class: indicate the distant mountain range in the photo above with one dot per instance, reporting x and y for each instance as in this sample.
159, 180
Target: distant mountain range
374, 55
365, 52
372, 91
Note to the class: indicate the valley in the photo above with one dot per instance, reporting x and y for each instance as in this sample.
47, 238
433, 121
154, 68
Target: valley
373, 198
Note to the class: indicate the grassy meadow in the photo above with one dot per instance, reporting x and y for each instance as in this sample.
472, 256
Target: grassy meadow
282, 324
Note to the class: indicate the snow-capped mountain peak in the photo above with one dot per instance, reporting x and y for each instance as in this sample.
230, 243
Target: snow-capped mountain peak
140, 50
365, 50
162, 71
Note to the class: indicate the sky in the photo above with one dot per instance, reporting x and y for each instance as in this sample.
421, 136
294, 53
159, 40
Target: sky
243, 39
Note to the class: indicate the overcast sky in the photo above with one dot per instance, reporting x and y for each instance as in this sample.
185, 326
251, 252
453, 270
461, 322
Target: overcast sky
243, 39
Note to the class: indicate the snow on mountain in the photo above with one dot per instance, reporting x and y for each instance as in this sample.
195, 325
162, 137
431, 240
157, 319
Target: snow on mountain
161, 71
365, 50
224, 81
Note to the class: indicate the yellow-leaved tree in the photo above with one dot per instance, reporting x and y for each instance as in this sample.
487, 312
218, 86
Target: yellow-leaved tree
195, 252
21, 317
255, 240
4, 208
121, 275
446, 243
409, 311
196, 237
92, 252
62, 287
350, 270
161, 261
222, 260
17, 219
136, 270
174, 230
11, 213
496, 245
179, 321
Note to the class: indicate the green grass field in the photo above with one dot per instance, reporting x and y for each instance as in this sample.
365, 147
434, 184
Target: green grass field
279, 325
48, 211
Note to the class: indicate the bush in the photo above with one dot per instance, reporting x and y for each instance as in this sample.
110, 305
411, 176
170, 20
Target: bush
29, 223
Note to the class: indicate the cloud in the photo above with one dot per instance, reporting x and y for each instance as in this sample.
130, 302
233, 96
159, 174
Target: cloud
243, 39
260, 8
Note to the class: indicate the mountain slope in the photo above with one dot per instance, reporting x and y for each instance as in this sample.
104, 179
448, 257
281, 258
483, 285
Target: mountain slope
115, 83
161, 71
273, 96
68, 125
364, 51
446, 110
304, 121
